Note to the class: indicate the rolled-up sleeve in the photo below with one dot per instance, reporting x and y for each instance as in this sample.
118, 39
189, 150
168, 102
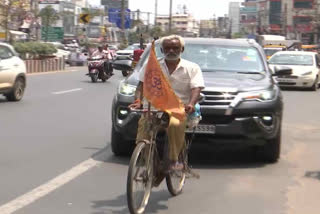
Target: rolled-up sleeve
196, 77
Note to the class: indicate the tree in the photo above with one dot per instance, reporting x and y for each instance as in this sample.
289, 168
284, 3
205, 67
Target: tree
12, 12
156, 32
49, 16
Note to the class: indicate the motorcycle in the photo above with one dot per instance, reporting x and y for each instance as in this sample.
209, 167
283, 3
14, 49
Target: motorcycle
96, 67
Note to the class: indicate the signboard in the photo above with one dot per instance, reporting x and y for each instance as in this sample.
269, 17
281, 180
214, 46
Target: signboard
115, 17
114, 3
54, 34
84, 18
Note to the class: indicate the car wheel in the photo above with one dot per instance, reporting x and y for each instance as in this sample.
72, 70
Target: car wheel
125, 73
119, 146
18, 90
270, 152
314, 87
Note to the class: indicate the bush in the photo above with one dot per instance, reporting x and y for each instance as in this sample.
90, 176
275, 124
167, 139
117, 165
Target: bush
34, 50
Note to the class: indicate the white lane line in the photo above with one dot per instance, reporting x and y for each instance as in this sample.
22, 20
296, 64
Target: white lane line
48, 187
67, 91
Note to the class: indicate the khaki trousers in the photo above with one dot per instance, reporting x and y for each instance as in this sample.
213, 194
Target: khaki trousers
175, 131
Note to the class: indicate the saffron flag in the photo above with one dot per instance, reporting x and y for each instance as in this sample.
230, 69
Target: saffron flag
157, 89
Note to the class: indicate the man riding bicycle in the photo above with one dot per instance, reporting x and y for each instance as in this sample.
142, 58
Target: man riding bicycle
186, 80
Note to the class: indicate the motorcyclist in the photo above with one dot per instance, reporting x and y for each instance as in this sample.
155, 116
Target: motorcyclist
109, 56
101, 53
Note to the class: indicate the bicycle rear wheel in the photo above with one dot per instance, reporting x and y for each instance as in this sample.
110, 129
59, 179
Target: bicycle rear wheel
139, 180
175, 179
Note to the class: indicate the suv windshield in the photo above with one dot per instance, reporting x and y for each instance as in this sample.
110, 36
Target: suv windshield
213, 58
291, 59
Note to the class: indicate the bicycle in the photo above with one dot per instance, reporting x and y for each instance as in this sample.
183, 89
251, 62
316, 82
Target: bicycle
148, 164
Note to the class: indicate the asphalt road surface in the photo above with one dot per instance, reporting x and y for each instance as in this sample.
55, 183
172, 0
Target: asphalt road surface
55, 157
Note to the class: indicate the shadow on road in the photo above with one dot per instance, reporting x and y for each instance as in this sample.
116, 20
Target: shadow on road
313, 174
296, 89
119, 205
105, 155
3, 100
201, 156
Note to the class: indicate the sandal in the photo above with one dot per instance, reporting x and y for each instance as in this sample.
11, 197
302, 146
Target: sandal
175, 165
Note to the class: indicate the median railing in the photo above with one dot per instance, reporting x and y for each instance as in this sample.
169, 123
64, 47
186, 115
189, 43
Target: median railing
45, 65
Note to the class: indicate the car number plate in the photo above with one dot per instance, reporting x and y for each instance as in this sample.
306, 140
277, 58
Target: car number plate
285, 80
204, 129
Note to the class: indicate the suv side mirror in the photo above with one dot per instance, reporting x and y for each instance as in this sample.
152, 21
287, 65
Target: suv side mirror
282, 71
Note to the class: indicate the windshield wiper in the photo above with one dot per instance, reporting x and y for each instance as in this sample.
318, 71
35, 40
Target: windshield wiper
250, 72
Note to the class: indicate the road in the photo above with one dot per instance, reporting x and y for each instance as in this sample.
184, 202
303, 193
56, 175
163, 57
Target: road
55, 157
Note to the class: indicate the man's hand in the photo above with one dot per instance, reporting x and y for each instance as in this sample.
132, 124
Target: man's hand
189, 108
136, 104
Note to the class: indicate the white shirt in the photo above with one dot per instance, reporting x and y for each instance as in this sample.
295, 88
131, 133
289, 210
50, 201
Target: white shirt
185, 77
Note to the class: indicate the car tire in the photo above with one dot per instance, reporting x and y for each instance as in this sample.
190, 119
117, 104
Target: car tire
270, 152
314, 87
18, 90
119, 146
125, 73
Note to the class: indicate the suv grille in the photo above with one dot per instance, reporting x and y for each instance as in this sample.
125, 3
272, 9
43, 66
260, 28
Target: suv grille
215, 98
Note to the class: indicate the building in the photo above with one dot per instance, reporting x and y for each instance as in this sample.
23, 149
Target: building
295, 19
184, 24
207, 28
234, 15
223, 25
248, 18
301, 20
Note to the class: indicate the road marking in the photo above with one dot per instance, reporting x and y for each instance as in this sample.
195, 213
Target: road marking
67, 91
48, 187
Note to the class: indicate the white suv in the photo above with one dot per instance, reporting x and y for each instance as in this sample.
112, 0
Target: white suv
12, 73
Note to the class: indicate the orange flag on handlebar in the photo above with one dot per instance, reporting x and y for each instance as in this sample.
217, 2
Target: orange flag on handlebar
157, 89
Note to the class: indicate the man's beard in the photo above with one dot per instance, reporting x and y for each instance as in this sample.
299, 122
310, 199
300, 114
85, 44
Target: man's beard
172, 57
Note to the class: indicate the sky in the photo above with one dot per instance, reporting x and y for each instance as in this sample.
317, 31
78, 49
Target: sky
201, 9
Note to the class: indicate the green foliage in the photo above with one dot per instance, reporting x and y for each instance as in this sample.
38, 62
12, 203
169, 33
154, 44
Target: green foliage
237, 35
156, 32
34, 49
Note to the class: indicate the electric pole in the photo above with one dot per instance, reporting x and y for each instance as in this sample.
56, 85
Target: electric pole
170, 17
155, 12
122, 15
123, 22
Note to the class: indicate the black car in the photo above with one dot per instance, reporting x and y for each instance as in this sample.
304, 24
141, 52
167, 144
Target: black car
241, 102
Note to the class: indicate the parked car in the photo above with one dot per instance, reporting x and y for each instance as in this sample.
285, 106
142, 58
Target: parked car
12, 73
77, 58
241, 103
305, 68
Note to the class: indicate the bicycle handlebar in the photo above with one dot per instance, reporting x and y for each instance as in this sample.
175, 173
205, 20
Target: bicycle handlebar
145, 110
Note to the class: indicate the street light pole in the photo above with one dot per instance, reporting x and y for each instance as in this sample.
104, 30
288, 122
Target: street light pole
170, 17
155, 12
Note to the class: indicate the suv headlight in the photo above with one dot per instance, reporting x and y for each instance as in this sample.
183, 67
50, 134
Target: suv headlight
265, 95
127, 89
307, 73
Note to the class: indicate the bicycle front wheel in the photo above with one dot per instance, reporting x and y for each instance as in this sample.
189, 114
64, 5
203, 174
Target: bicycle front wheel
139, 180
